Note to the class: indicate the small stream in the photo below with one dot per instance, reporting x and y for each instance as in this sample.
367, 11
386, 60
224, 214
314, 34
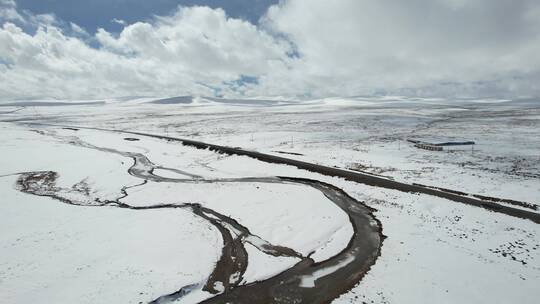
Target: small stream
305, 282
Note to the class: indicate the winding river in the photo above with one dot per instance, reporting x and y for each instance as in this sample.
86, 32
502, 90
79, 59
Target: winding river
305, 282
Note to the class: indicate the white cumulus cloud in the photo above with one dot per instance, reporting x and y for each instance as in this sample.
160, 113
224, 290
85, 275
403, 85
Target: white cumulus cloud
195, 51
8, 11
300, 48
429, 47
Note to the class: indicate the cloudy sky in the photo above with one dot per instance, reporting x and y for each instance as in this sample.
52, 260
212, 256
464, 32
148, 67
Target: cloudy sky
64, 49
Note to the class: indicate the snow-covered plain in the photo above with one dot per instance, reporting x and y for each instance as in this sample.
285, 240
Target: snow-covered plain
436, 250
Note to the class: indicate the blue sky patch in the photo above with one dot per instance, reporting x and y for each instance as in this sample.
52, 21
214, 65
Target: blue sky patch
94, 14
